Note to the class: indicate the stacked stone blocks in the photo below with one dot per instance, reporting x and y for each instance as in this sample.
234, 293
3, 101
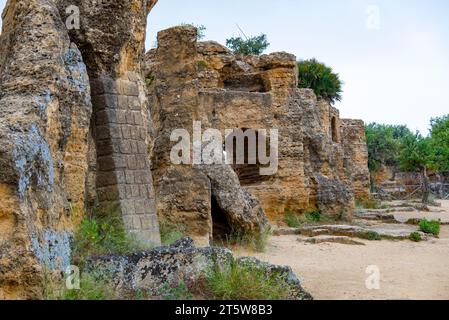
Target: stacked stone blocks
124, 178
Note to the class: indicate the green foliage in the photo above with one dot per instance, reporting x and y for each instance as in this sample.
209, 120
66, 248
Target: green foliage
244, 282
384, 144
180, 292
201, 65
440, 143
149, 79
397, 146
255, 241
293, 220
248, 46
370, 235
416, 153
201, 29
91, 288
430, 227
415, 237
315, 75
103, 235
314, 216
171, 232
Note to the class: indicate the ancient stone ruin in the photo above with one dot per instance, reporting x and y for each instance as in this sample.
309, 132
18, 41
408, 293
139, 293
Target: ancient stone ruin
86, 120
322, 158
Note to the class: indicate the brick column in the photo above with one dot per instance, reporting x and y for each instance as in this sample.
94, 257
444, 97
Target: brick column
124, 180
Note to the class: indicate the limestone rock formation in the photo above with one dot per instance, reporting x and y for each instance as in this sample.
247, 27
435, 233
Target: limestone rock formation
321, 159
45, 109
72, 109
87, 122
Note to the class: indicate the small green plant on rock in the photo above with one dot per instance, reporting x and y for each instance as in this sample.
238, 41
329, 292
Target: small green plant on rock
370, 235
202, 65
430, 227
415, 237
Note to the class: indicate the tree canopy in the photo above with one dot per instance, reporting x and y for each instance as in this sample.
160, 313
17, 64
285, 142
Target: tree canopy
397, 146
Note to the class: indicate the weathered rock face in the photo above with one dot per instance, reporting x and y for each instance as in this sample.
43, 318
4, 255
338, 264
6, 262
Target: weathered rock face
356, 156
181, 263
187, 194
113, 53
317, 168
45, 109
56, 159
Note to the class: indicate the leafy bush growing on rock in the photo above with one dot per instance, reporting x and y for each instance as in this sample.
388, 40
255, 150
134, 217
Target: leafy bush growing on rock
430, 227
415, 237
315, 75
248, 46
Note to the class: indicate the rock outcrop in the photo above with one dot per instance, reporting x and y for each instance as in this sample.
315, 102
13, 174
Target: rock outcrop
181, 263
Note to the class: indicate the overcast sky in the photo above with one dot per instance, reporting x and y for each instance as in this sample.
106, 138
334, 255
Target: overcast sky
395, 68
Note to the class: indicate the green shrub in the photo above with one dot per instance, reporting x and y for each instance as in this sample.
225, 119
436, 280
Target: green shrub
370, 235
321, 79
171, 232
293, 220
430, 227
416, 237
243, 282
314, 216
248, 46
101, 236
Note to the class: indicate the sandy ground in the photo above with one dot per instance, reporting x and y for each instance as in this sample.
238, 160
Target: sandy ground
408, 270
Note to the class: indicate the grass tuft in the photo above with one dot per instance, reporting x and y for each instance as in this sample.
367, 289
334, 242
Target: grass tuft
171, 232
244, 282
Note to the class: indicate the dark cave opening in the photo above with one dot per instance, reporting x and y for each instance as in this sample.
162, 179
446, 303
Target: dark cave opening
221, 228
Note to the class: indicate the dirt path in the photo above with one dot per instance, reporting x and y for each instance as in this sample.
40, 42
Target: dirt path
408, 270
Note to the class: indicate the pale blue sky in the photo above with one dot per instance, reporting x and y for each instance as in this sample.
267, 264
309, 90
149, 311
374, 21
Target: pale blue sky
397, 74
